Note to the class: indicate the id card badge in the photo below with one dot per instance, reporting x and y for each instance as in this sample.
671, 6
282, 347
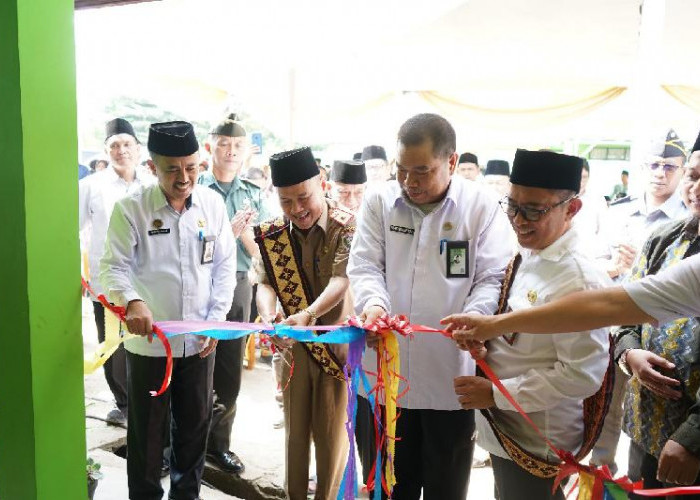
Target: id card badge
457, 259
208, 249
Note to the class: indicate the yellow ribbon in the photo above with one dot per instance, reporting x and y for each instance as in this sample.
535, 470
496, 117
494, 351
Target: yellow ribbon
390, 368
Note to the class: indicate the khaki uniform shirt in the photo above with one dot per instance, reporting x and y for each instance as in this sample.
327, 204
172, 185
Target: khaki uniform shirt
324, 251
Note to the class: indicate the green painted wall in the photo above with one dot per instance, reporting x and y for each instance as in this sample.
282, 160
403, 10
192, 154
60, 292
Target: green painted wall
42, 431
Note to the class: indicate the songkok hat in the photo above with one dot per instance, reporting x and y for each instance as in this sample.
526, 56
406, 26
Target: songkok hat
696, 146
669, 146
373, 153
357, 156
469, 158
292, 167
229, 127
119, 126
546, 169
349, 172
172, 139
497, 167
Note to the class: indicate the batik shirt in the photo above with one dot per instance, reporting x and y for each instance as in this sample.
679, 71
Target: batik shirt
650, 420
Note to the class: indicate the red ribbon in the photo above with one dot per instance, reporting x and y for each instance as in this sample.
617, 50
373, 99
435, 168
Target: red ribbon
569, 464
120, 312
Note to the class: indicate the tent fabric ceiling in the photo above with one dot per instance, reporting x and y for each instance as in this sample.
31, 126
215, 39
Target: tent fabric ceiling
319, 71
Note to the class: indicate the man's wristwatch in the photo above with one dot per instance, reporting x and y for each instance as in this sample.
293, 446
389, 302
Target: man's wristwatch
312, 315
622, 363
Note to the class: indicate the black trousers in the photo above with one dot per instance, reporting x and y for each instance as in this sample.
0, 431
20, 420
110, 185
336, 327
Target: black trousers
115, 366
643, 466
364, 436
515, 483
228, 370
188, 400
433, 454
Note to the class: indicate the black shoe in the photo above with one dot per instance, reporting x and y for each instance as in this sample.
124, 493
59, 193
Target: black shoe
227, 461
165, 468
116, 417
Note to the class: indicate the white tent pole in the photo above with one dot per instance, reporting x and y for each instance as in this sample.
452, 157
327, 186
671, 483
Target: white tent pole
647, 78
292, 104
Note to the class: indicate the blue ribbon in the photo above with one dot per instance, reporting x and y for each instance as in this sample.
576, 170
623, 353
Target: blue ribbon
343, 335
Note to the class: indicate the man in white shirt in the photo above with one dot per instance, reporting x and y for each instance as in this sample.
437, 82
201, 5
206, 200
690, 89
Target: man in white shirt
349, 180
409, 233
549, 376
375, 160
97, 195
468, 166
169, 255
631, 219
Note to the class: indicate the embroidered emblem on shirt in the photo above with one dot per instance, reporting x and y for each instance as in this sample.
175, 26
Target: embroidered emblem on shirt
402, 230
201, 223
447, 226
157, 223
532, 296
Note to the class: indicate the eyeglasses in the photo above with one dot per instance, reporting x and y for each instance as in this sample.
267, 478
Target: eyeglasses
669, 168
528, 213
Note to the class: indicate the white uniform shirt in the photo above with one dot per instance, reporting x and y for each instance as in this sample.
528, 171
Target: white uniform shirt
632, 221
407, 274
549, 375
589, 222
154, 253
673, 293
97, 195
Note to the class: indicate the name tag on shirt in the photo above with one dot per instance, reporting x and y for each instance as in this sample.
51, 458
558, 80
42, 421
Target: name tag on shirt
208, 249
457, 259
163, 230
402, 229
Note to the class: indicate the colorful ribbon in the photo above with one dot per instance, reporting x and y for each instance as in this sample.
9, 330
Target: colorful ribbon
595, 483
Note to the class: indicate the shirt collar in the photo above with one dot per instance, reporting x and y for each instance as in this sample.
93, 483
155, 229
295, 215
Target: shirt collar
672, 208
159, 201
208, 179
452, 195
554, 252
114, 176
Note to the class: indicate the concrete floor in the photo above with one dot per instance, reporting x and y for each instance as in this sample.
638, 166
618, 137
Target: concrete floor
254, 439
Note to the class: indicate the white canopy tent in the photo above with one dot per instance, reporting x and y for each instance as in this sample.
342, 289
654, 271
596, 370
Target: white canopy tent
507, 73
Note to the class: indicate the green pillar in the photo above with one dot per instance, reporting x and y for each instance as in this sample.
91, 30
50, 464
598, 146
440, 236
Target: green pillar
42, 426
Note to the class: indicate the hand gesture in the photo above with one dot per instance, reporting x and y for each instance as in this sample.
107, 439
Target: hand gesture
469, 327
623, 259
241, 219
475, 393
677, 465
643, 365
368, 317
139, 319
209, 345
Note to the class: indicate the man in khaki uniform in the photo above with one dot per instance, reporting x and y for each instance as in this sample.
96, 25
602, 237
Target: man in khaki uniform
304, 255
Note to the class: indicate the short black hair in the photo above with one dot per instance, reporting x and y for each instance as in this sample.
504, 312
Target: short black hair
625, 172
428, 126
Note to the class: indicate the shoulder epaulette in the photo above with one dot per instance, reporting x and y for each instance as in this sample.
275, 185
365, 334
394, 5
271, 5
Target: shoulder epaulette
621, 201
250, 184
341, 216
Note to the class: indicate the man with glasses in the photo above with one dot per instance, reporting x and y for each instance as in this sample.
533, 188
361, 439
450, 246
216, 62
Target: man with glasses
549, 375
349, 180
401, 262
633, 218
630, 221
